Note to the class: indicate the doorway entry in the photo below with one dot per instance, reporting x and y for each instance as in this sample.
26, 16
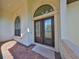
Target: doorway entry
17, 26
44, 31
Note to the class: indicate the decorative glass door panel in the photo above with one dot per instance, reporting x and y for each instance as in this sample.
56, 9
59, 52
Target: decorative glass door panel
47, 32
38, 35
48, 29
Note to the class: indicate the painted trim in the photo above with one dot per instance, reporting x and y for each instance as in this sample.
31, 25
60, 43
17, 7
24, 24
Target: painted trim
45, 15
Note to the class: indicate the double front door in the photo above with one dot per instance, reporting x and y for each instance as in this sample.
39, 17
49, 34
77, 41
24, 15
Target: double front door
44, 31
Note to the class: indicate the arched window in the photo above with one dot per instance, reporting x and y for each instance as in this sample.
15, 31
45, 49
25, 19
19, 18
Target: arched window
17, 26
44, 9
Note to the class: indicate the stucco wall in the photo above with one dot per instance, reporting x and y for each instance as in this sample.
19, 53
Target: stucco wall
7, 22
73, 22
6, 31
69, 28
26, 37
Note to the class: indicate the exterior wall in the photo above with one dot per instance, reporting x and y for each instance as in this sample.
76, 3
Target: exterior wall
26, 37
69, 29
73, 22
6, 32
7, 21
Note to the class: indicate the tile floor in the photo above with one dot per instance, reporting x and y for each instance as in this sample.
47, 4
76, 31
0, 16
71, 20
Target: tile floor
20, 51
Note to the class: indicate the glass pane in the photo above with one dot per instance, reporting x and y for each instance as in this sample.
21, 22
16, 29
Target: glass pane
48, 29
44, 9
38, 29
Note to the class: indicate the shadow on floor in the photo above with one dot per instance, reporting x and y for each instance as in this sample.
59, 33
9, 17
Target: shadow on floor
1, 56
57, 55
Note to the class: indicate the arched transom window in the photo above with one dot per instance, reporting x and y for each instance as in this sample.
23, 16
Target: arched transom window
44, 9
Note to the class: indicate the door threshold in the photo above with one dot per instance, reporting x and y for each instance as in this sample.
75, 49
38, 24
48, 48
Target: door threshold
48, 47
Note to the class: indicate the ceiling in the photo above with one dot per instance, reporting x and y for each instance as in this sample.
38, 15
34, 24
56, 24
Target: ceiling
10, 5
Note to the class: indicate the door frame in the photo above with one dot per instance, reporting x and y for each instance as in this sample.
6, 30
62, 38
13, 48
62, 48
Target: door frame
43, 33
57, 29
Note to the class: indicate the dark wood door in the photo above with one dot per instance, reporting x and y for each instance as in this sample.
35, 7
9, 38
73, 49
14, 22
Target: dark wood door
44, 31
